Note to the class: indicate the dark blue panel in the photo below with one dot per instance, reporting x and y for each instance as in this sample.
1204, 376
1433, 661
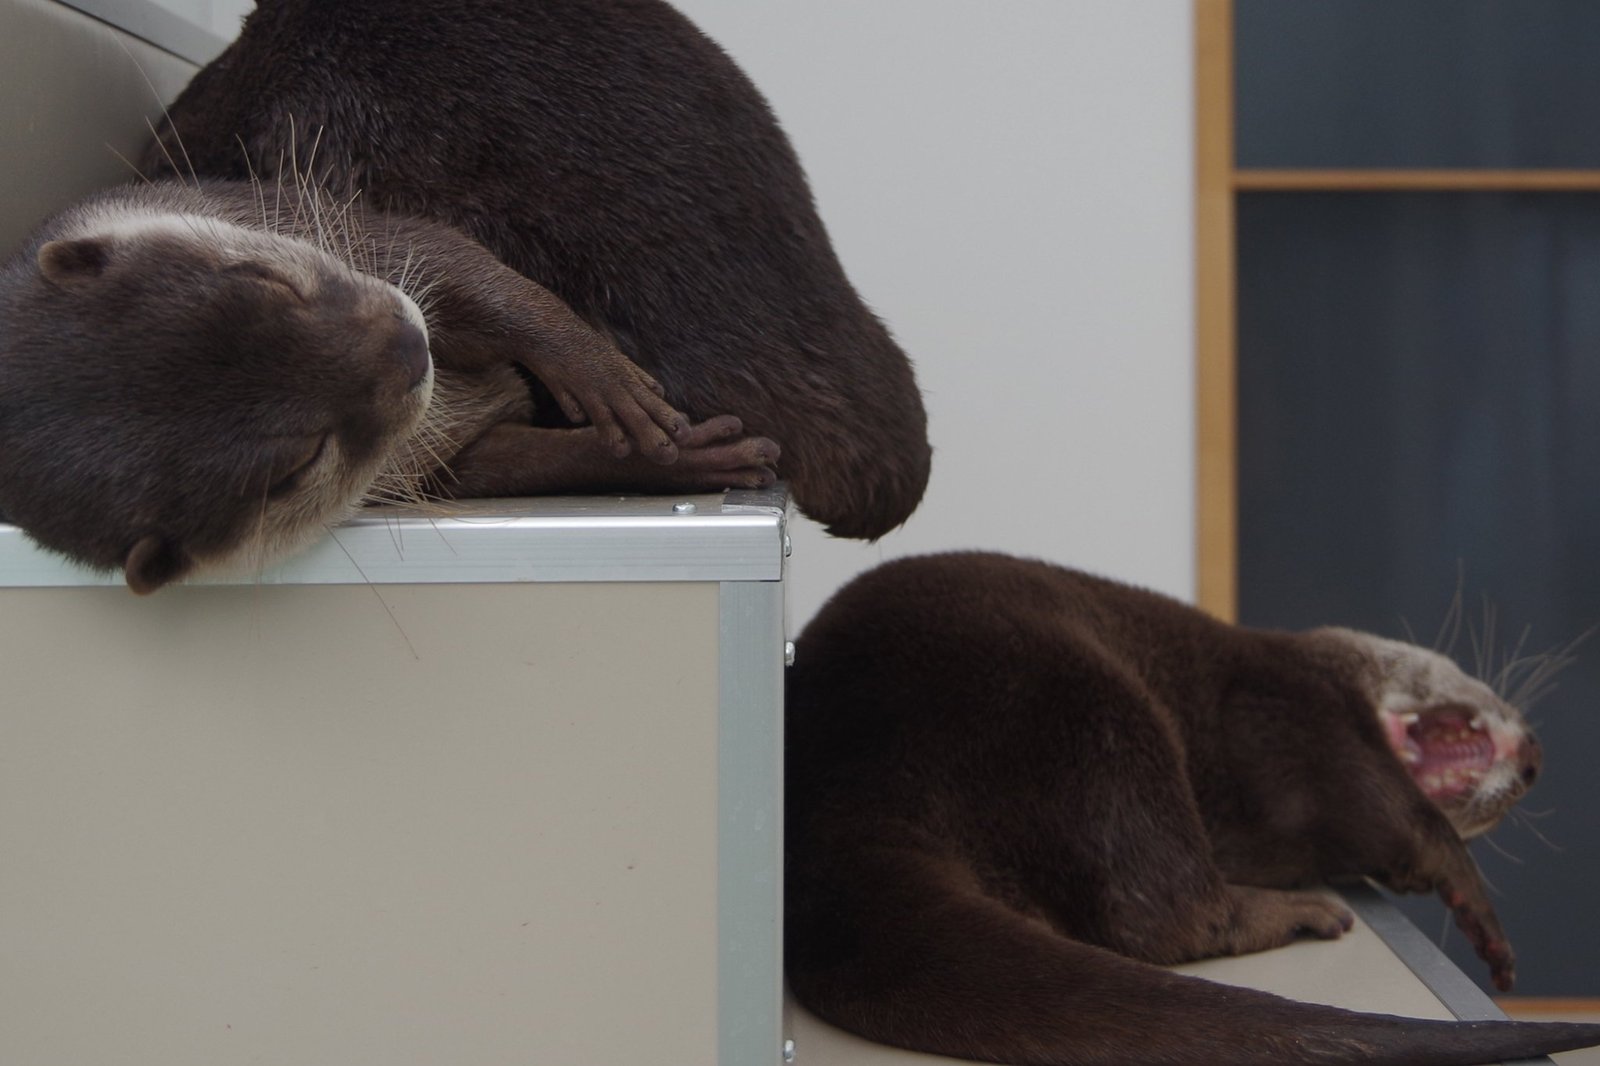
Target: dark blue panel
1418, 83
1420, 390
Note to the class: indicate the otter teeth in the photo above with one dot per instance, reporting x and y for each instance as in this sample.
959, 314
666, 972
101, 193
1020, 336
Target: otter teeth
1477, 725
1410, 718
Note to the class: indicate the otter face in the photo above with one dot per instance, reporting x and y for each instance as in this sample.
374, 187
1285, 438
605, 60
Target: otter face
1469, 751
178, 393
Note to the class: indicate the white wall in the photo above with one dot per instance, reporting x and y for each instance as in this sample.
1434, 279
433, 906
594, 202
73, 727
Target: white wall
1009, 184
221, 17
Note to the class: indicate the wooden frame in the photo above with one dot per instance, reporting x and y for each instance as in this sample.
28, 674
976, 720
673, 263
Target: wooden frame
1218, 181
1216, 421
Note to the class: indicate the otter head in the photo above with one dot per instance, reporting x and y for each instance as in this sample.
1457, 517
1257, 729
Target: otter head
1467, 749
179, 393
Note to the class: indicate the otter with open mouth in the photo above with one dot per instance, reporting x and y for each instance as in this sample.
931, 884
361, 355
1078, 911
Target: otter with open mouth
1011, 788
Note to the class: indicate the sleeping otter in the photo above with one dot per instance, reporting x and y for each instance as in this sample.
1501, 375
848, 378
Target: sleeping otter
1013, 787
203, 378
600, 219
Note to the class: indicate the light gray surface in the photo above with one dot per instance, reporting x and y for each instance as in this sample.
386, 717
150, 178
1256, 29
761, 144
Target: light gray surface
1010, 185
728, 537
190, 35
750, 824
76, 95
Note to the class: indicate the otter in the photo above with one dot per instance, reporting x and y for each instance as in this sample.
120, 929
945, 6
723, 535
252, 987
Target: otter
584, 207
1015, 790
611, 152
201, 378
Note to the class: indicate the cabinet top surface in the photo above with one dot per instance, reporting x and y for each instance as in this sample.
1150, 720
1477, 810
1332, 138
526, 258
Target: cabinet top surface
734, 536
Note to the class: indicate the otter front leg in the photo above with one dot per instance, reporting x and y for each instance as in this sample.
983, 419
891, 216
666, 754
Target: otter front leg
1436, 860
517, 460
481, 313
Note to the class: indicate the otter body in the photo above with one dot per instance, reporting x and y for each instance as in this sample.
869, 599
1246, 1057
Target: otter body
609, 151
584, 208
1011, 787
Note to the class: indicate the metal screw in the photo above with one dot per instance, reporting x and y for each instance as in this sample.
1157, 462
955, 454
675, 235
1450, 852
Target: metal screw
683, 508
788, 1051
788, 653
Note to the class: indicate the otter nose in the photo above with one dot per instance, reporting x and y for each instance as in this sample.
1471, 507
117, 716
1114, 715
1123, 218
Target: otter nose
1530, 758
410, 348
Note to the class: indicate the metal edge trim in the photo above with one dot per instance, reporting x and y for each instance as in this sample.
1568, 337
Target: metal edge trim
513, 548
165, 29
750, 825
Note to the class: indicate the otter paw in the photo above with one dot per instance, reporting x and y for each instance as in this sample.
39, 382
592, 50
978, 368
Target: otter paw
715, 454
1268, 918
622, 402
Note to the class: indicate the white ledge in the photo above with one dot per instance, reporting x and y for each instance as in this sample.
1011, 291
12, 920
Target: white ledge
736, 536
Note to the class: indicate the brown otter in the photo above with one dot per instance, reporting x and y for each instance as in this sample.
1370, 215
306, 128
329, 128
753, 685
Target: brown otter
1013, 787
611, 152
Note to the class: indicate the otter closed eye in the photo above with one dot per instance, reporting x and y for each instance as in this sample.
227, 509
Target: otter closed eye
262, 272
299, 464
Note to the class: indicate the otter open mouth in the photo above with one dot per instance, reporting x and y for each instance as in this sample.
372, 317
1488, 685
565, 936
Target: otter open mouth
1447, 749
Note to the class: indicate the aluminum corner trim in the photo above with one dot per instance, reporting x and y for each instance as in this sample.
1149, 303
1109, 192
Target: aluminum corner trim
550, 539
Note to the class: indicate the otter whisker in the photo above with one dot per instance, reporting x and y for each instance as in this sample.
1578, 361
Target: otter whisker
1538, 680
163, 146
1482, 641
334, 536
129, 164
1489, 840
165, 114
255, 183
1514, 662
1450, 626
1525, 820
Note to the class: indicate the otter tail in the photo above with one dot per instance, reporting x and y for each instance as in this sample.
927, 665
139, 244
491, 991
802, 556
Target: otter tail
930, 964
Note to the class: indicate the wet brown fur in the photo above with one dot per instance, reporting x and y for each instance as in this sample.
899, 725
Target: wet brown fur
1012, 787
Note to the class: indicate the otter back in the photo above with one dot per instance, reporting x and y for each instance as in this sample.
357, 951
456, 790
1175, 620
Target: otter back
609, 151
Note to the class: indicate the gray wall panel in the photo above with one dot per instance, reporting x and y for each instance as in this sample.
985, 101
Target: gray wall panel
1418, 83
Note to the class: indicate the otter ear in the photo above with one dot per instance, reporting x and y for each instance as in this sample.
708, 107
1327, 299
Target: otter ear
75, 261
153, 562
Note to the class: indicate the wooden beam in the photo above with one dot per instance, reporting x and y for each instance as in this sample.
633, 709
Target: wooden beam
1535, 1007
1216, 418
1462, 180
